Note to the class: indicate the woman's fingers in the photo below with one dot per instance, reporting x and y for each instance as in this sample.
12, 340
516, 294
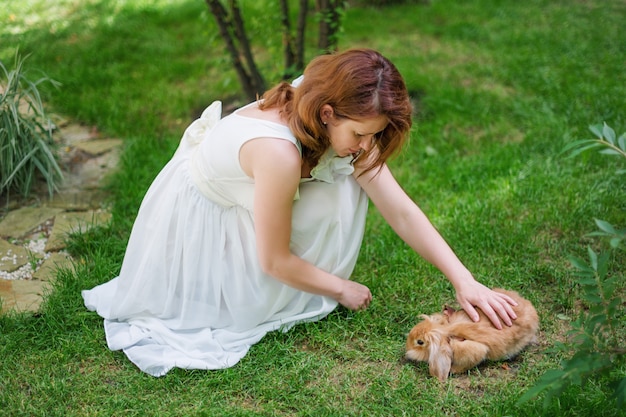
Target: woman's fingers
496, 306
355, 296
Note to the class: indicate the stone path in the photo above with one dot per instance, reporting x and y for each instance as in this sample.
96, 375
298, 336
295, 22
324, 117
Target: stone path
33, 230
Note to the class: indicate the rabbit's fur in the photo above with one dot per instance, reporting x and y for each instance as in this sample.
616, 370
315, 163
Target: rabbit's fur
452, 343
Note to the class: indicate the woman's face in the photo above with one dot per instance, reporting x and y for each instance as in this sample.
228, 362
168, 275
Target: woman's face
349, 136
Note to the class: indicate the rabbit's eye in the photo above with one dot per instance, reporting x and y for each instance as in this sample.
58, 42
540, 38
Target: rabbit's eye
420, 342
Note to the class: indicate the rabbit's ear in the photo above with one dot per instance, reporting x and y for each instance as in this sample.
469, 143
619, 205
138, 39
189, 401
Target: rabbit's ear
440, 355
448, 311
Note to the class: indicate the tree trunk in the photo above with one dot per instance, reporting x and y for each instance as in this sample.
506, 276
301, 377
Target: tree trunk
330, 20
288, 47
300, 32
255, 75
232, 32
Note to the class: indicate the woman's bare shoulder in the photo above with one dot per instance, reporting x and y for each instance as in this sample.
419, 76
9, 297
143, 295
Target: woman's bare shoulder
266, 152
271, 115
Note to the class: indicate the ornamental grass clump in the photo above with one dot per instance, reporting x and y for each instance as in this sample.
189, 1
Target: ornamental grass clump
26, 145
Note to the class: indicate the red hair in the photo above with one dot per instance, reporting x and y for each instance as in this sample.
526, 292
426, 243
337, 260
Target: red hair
358, 84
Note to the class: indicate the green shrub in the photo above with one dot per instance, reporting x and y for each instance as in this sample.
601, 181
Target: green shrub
25, 133
596, 340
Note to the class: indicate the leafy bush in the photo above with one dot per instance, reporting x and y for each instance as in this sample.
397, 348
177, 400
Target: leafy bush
25, 133
596, 338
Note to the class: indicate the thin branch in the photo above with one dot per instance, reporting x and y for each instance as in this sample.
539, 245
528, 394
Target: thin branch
223, 23
240, 32
288, 51
300, 33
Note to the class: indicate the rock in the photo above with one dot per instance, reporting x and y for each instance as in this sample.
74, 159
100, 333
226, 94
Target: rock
35, 227
21, 221
93, 170
22, 295
50, 267
74, 133
12, 257
98, 146
78, 200
78, 222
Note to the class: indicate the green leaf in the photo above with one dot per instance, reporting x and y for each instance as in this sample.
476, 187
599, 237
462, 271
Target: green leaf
603, 264
621, 142
579, 142
580, 264
609, 285
592, 298
581, 149
598, 234
620, 391
587, 281
605, 226
593, 258
596, 130
613, 306
552, 380
596, 322
608, 133
609, 152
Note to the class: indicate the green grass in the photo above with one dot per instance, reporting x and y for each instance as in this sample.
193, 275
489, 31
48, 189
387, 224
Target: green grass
500, 86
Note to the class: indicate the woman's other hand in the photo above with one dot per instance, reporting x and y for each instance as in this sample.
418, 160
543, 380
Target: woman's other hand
354, 296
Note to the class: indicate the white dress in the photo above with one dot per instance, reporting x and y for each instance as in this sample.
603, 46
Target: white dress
191, 293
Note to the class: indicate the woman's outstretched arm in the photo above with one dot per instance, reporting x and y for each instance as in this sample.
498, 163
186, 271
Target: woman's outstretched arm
412, 225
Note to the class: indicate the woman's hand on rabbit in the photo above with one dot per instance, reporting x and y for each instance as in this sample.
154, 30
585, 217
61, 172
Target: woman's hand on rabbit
496, 306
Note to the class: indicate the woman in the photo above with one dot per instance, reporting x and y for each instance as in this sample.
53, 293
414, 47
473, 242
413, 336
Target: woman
256, 222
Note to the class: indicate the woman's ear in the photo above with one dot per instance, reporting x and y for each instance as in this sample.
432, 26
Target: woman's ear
326, 113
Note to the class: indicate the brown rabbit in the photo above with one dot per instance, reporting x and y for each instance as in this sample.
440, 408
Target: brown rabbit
452, 343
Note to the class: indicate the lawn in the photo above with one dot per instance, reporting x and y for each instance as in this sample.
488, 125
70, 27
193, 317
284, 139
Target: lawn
500, 87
